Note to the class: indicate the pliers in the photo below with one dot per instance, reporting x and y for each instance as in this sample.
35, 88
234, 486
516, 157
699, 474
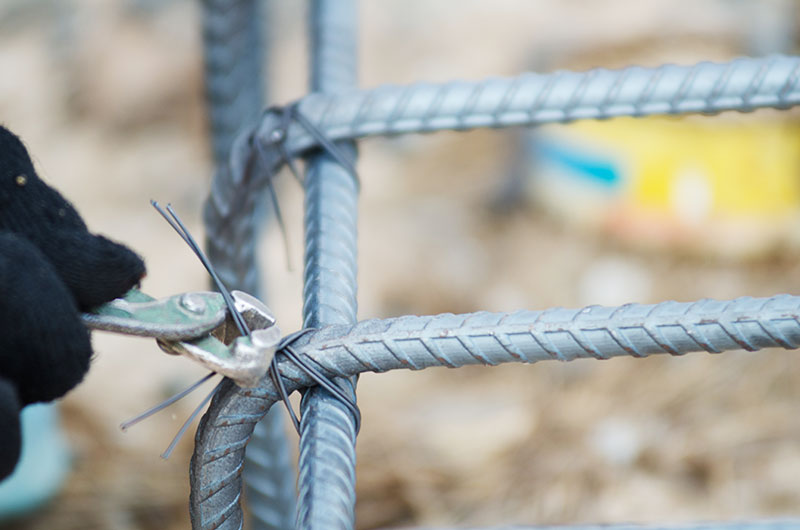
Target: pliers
199, 326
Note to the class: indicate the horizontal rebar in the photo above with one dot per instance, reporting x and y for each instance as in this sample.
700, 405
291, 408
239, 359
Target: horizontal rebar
530, 99
414, 342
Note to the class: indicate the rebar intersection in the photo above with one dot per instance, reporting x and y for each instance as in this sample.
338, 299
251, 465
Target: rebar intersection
343, 348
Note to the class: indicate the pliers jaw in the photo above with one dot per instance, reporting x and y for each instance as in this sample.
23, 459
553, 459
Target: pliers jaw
245, 359
255, 313
198, 326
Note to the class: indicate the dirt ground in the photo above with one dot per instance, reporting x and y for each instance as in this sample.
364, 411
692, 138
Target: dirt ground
108, 97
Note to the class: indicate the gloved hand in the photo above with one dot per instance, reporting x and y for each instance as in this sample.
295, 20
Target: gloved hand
51, 268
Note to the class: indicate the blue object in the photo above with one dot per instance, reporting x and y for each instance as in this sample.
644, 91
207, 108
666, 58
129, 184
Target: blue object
43, 465
593, 168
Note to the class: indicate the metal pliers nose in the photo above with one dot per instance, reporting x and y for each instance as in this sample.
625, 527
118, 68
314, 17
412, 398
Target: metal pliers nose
197, 325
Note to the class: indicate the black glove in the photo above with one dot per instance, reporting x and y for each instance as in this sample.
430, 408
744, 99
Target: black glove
51, 268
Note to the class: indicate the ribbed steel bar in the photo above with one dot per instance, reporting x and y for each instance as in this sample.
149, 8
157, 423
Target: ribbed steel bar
269, 475
234, 57
326, 466
234, 96
414, 342
531, 99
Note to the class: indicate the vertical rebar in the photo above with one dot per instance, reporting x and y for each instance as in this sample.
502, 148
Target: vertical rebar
326, 476
233, 69
234, 61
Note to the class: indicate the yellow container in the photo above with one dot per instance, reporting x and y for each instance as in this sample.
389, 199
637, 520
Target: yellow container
727, 185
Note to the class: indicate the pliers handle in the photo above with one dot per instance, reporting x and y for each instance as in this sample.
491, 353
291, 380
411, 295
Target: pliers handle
179, 317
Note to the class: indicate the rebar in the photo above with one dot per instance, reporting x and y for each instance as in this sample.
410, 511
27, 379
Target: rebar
269, 476
529, 99
234, 57
532, 99
233, 69
326, 466
414, 342
234, 95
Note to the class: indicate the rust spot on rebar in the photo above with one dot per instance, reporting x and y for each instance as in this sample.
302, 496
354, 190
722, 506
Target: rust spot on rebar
213, 457
742, 344
661, 343
628, 349
707, 346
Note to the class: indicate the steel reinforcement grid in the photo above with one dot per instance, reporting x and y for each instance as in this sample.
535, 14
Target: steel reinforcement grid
341, 347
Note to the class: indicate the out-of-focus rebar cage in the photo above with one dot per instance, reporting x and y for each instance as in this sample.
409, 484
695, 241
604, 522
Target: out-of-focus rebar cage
343, 348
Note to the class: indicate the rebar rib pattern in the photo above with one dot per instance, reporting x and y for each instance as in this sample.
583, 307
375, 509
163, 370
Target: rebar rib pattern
533, 99
233, 78
326, 467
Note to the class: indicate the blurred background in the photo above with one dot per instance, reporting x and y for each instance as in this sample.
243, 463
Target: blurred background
108, 97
